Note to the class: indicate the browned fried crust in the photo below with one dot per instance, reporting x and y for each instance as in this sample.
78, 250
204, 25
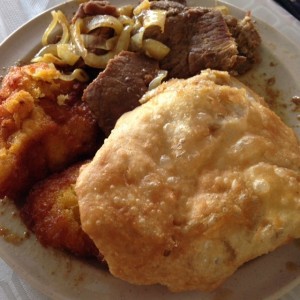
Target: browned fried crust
38, 134
192, 184
51, 212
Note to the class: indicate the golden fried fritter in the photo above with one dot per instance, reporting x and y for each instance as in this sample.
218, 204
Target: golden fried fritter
192, 184
44, 126
51, 212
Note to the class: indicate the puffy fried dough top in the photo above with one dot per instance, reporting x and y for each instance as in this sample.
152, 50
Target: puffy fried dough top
192, 184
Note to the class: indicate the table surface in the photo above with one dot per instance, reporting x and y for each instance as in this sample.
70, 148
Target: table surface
15, 13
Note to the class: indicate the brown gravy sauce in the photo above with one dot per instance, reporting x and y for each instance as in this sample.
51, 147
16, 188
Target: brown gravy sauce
222, 294
292, 266
8, 234
11, 237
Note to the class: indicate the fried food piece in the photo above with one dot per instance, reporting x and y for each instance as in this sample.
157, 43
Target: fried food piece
192, 184
51, 212
44, 126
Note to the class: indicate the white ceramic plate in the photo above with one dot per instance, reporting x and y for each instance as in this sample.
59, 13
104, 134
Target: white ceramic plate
63, 277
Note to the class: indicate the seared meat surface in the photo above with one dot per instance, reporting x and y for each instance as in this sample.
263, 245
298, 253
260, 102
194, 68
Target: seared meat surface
119, 87
248, 42
198, 38
201, 38
94, 8
172, 7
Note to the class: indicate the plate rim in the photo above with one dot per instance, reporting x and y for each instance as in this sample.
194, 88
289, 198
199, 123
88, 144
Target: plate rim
32, 280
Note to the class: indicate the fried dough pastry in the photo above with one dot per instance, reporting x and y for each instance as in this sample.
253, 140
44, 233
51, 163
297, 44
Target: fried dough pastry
51, 212
44, 126
189, 186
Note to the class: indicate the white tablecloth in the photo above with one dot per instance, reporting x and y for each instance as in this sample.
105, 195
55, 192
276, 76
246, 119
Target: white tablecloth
14, 13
